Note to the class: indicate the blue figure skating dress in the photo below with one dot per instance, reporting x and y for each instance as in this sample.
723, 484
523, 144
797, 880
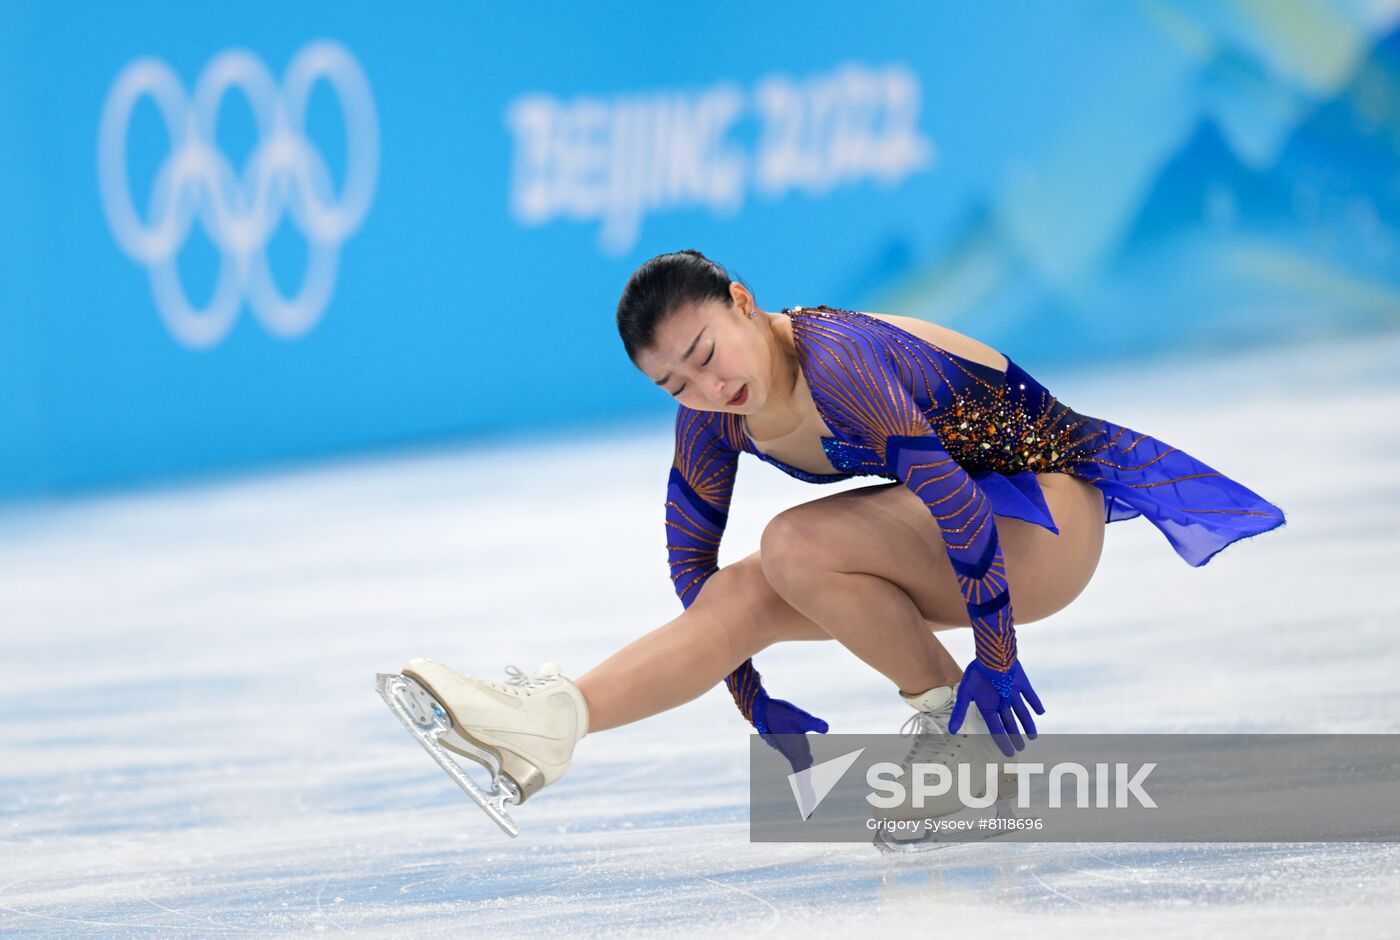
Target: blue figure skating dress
968, 440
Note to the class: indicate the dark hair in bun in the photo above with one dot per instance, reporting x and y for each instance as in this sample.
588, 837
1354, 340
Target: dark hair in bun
662, 285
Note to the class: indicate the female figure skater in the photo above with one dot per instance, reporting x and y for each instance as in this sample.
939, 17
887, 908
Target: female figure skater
999, 491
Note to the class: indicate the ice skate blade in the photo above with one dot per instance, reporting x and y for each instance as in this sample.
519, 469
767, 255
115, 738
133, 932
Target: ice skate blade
928, 840
525, 778
427, 721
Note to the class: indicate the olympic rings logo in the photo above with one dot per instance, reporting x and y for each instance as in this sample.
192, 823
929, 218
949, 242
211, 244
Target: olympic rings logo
240, 211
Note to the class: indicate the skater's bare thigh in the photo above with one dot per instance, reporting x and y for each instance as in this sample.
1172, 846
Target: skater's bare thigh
886, 530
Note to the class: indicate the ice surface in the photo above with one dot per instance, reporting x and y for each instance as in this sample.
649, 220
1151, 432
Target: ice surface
191, 744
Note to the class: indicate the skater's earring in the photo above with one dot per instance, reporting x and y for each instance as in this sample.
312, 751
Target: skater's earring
752, 314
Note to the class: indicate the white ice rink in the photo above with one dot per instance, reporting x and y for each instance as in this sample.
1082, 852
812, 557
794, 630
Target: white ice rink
191, 744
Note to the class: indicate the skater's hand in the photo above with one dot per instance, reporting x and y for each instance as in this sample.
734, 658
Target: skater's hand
998, 697
783, 726
781, 717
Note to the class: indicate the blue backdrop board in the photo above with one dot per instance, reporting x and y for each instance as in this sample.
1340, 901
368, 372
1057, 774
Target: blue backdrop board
237, 234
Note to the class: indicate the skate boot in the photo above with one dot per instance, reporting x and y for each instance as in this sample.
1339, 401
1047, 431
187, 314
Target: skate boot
523, 731
968, 755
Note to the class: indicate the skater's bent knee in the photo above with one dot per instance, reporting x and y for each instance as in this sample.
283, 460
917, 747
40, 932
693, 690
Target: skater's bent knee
736, 589
749, 610
793, 548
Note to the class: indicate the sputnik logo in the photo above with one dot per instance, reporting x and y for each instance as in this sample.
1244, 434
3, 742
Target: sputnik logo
811, 786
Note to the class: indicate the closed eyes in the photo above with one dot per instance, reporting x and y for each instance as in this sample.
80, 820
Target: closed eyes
705, 363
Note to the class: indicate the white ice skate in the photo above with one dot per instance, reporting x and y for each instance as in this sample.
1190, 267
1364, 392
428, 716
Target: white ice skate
522, 731
905, 827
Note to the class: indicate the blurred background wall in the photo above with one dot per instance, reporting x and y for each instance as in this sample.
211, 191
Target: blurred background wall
238, 235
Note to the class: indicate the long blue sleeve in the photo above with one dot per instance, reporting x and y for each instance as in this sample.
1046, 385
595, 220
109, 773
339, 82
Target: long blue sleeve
964, 517
697, 501
697, 508
857, 383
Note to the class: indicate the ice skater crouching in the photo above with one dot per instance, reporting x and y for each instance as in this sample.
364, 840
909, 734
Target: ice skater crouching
993, 489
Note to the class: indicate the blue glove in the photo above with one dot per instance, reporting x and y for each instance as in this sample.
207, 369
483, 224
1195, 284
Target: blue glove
998, 698
783, 726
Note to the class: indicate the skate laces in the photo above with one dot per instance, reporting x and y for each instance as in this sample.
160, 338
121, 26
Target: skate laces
516, 677
932, 740
924, 723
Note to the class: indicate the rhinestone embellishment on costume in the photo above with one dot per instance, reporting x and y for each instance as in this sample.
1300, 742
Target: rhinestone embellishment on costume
991, 432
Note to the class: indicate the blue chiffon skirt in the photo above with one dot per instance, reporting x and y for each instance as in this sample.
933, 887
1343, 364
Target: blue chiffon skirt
1197, 508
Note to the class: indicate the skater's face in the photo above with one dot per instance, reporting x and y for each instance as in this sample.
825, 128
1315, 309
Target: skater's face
706, 354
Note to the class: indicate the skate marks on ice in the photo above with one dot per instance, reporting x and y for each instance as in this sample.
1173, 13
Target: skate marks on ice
1185, 890
693, 883
190, 745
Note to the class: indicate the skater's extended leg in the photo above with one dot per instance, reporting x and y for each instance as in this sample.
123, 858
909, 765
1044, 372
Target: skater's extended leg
736, 615
865, 566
